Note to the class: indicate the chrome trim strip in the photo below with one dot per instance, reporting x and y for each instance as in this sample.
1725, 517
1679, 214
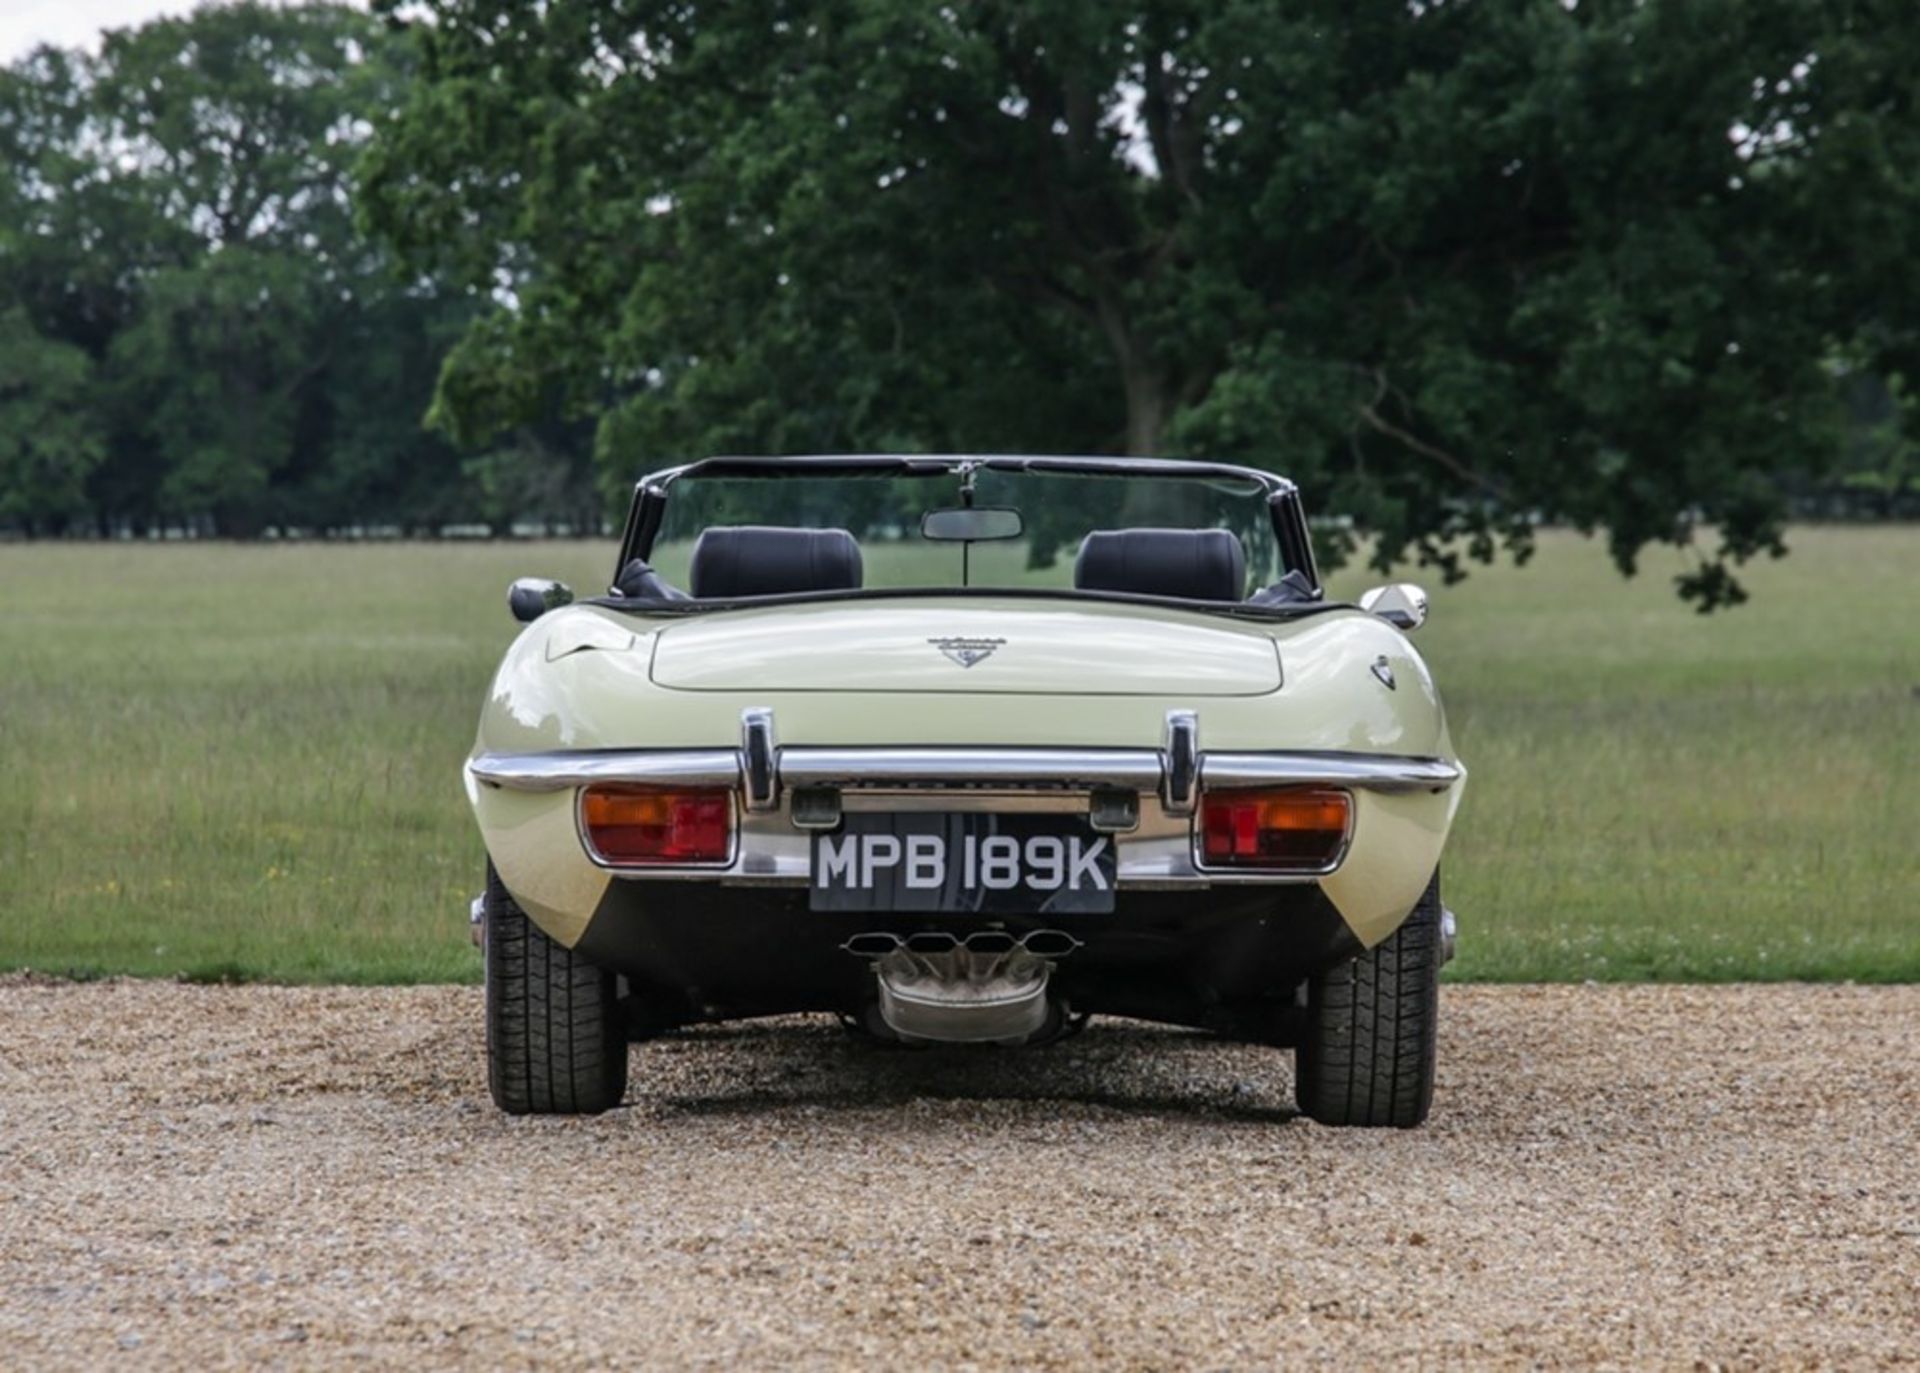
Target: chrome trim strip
1065, 769
1369, 771
938, 800
927, 464
1141, 770
564, 768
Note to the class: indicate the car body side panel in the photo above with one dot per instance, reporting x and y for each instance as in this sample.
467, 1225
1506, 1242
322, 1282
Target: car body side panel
534, 842
1396, 846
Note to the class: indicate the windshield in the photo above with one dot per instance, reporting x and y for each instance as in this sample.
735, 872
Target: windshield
887, 514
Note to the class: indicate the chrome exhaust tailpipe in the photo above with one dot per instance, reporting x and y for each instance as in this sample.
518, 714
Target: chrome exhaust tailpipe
988, 988
1049, 943
872, 945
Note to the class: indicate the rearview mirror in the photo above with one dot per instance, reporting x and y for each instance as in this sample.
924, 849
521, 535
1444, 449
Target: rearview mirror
973, 524
1401, 604
531, 597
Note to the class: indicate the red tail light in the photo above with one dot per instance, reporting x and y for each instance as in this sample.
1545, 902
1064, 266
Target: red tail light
633, 827
1300, 829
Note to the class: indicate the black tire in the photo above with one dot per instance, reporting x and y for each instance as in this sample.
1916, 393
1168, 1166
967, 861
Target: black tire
1367, 1057
556, 1044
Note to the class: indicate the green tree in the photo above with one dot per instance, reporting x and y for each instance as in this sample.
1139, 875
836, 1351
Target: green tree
237, 127
1454, 266
50, 438
1881, 464
74, 245
178, 207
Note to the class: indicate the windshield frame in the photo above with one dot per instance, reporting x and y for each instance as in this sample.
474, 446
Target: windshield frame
652, 492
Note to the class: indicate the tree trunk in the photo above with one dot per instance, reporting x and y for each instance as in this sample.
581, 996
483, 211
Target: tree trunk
1148, 396
1147, 403
1151, 402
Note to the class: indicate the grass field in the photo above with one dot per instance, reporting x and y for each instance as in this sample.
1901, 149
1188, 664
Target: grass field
226, 761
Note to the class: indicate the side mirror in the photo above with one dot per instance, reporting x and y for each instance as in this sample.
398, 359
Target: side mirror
973, 524
531, 597
1401, 604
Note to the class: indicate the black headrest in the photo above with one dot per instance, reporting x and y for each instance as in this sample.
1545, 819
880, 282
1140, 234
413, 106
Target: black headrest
763, 560
1198, 564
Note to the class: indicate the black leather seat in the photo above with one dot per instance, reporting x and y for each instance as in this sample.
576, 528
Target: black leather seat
766, 560
1195, 564
638, 581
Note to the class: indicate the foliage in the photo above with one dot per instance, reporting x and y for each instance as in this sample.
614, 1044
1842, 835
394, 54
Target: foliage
1882, 461
178, 252
1456, 267
49, 441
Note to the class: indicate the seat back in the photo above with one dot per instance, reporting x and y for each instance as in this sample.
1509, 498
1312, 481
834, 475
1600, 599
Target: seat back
768, 560
1196, 564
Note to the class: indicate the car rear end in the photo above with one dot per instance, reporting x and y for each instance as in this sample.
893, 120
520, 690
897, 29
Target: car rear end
889, 755
972, 852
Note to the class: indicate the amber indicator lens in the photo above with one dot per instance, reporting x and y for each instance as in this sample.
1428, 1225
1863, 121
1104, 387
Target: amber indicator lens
641, 826
1299, 829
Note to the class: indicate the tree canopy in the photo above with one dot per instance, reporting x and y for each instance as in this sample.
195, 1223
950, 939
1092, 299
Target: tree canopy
1643, 266
193, 327
1454, 266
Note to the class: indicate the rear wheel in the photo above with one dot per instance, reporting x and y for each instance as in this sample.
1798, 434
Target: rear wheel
1367, 1057
555, 1041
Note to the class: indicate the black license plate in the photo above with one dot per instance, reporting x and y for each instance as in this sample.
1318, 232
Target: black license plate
974, 862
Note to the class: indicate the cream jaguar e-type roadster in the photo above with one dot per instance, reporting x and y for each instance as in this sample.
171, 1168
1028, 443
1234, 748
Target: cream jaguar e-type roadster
965, 750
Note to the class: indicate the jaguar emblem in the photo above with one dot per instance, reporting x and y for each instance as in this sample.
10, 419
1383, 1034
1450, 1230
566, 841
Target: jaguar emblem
967, 652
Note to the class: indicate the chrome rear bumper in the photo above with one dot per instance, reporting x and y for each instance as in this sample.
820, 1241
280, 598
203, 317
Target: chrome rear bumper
1024, 769
1157, 850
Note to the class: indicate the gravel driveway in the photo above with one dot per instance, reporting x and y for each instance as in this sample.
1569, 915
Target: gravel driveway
311, 1176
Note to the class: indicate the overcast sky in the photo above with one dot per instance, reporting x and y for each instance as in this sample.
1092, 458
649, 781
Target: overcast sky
24, 24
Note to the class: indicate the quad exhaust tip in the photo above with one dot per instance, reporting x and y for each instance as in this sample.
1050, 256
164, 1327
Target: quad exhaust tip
991, 942
872, 945
1050, 943
932, 943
